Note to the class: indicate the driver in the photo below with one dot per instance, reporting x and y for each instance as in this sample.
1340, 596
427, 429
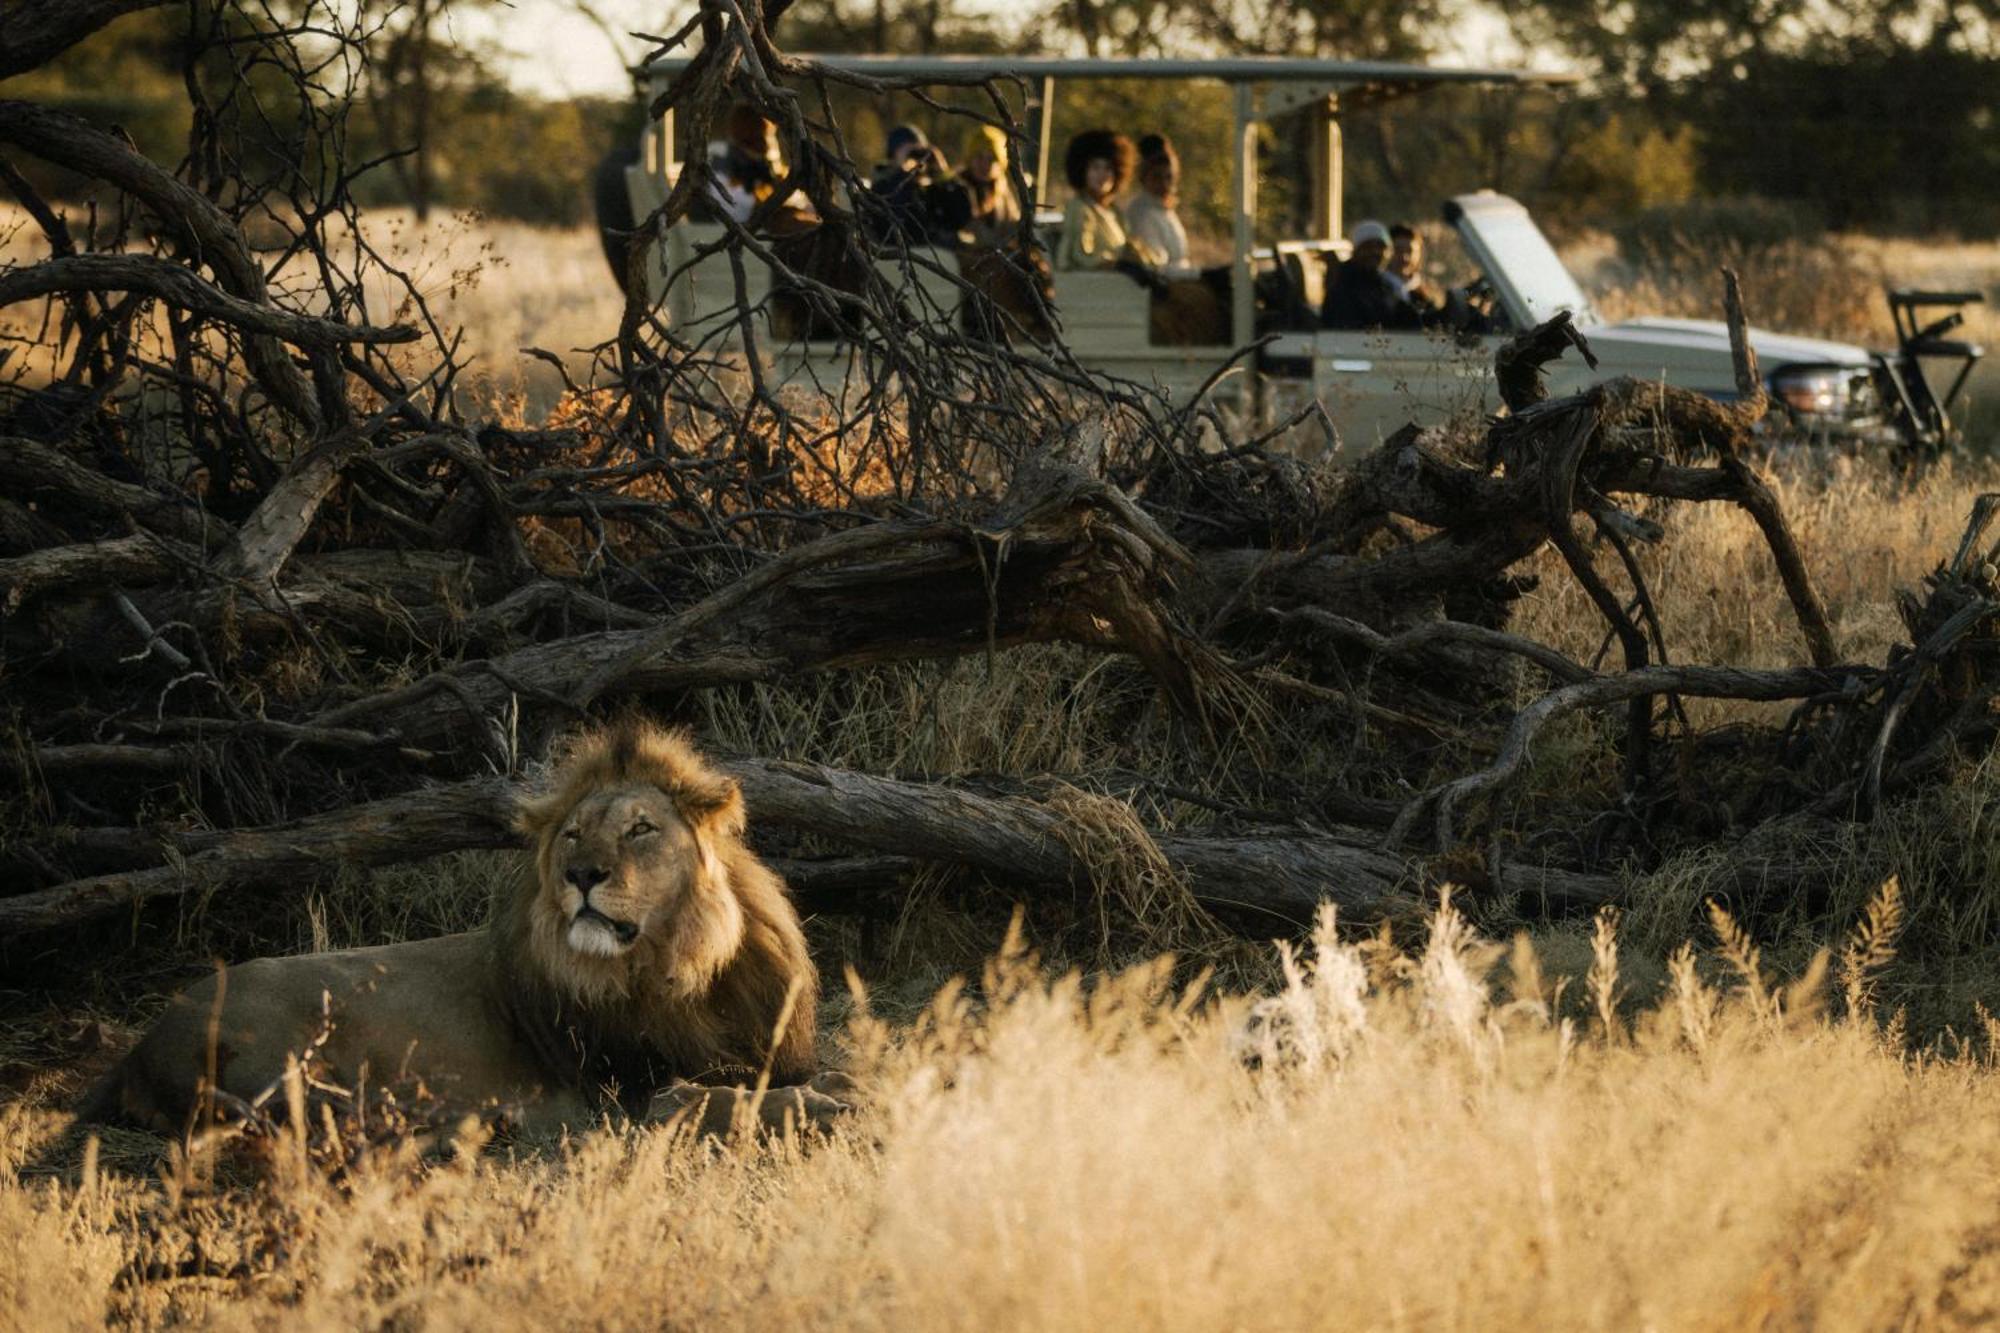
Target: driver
1362, 295
1406, 269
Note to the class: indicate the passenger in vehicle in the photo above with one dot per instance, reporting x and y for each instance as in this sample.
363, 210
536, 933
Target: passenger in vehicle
1094, 234
911, 181
745, 164
994, 214
1362, 295
1150, 215
1406, 270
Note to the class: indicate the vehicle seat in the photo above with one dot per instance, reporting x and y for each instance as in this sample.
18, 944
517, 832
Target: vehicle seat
1286, 295
1308, 279
1102, 309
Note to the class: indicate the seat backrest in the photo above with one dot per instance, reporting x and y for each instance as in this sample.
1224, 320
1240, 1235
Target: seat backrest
925, 292
1307, 276
1101, 309
704, 295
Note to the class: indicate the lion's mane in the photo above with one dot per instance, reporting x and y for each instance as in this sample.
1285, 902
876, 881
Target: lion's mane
726, 991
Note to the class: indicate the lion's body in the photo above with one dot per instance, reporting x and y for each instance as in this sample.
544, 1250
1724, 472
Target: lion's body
680, 958
427, 1008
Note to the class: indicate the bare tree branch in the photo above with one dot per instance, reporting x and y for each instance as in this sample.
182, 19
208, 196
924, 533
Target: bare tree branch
208, 234
34, 32
178, 286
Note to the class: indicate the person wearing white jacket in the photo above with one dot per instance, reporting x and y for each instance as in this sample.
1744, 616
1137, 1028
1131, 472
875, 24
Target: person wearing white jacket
1150, 216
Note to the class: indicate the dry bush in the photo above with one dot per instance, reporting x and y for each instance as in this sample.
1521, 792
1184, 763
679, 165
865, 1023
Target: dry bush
1380, 1144
507, 285
1867, 533
1816, 288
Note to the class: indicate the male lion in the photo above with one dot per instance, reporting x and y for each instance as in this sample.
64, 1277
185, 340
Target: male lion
650, 953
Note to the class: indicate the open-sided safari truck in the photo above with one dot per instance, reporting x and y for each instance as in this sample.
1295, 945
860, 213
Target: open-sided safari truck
1370, 381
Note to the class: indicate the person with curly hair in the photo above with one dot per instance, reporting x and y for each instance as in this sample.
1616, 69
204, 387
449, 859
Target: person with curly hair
1094, 235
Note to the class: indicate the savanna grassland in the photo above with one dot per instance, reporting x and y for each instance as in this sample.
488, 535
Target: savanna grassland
1474, 1118
1415, 1147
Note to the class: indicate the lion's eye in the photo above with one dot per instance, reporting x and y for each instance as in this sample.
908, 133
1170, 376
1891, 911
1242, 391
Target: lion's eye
639, 830
571, 835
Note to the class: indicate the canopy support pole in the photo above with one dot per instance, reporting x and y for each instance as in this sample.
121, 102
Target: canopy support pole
1045, 116
1328, 201
1243, 306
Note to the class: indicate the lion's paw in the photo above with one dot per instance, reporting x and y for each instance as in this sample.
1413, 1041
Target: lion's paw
718, 1111
835, 1084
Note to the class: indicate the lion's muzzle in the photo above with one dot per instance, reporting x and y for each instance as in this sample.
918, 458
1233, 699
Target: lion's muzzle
592, 930
599, 934
624, 930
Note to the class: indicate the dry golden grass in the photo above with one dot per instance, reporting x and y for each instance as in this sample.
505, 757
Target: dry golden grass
1864, 532
1421, 1148
1437, 1142
507, 285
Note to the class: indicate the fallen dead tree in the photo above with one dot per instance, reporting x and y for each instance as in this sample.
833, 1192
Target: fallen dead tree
1064, 555
1063, 558
1024, 843
300, 612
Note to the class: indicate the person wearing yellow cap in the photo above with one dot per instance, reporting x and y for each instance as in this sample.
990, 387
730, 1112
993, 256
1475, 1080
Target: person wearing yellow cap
996, 213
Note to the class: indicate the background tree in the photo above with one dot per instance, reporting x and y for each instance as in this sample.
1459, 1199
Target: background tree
416, 59
1883, 114
1875, 113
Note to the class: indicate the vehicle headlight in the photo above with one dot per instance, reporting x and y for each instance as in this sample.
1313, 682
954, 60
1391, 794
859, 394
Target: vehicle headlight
1824, 392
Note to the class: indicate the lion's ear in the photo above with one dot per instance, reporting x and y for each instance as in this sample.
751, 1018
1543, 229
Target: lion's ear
714, 806
534, 816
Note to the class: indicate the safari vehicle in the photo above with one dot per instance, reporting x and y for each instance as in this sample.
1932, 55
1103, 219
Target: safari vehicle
1370, 382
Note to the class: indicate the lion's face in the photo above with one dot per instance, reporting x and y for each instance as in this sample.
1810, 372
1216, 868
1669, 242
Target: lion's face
618, 866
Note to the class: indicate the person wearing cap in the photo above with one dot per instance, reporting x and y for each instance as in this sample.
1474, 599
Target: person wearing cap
1361, 295
994, 214
905, 180
1151, 214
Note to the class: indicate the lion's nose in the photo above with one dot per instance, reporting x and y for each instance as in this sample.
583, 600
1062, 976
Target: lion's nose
586, 878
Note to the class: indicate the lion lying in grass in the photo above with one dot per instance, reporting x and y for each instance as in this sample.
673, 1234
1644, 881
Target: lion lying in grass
649, 961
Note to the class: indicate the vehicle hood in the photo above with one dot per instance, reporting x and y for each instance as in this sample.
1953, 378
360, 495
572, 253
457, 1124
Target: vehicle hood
1712, 335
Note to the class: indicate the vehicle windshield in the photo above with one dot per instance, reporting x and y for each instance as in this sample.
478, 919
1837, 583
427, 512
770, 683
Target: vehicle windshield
1530, 265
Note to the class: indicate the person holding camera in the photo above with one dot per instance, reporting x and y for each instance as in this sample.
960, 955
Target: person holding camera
913, 184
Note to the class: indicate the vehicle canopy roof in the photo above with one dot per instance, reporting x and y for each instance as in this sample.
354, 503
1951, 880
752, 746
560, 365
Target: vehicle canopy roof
1334, 75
